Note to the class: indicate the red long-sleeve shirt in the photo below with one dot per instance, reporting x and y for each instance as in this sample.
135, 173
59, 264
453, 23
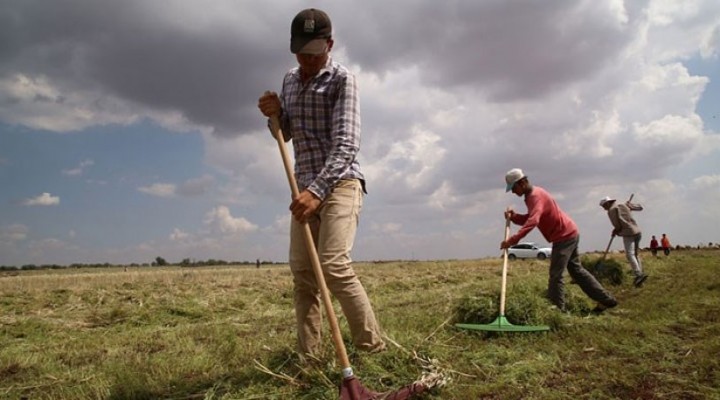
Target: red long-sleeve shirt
546, 215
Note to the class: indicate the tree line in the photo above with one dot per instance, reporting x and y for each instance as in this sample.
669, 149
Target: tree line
157, 262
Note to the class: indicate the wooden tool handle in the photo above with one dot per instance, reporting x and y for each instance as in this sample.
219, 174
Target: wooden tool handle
340, 350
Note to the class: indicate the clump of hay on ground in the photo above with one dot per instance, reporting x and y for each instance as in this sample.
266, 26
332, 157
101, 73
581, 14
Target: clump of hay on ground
525, 304
608, 271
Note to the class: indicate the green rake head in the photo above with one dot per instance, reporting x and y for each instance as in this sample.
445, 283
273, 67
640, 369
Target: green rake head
501, 324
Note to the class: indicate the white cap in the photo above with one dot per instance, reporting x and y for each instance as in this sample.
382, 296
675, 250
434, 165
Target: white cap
605, 200
512, 177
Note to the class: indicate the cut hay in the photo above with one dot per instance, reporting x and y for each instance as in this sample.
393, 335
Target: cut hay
608, 271
526, 306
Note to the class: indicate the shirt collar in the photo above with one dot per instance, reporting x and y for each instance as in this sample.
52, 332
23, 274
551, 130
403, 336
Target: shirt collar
326, 68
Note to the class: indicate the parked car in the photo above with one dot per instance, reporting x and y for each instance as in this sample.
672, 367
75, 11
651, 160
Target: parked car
528, 250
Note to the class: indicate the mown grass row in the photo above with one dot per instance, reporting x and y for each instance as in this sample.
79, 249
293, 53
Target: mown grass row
228, 333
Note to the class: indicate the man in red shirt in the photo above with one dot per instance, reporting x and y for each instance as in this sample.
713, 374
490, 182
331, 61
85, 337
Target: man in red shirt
561, 231
654, 245
665, 243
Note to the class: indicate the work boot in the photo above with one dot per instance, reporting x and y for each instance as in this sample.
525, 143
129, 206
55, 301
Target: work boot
639, 280
602, 307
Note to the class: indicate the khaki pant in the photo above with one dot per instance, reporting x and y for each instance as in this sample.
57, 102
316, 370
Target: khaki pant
333, 228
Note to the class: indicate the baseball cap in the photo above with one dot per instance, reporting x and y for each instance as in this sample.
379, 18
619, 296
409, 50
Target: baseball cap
605, 200
512, 177
307, 26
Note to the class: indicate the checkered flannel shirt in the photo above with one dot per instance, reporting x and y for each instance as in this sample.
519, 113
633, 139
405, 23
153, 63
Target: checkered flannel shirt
323, 119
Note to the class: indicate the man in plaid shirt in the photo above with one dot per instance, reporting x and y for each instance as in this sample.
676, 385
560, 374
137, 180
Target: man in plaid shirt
319, 110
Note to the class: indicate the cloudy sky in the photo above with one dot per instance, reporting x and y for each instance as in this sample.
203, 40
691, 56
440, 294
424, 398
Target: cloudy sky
130, 130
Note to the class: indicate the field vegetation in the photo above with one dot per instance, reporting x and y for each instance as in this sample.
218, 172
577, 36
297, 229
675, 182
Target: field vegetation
229, 333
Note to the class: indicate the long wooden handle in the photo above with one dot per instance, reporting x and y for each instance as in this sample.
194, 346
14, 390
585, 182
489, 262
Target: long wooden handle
340, 350
607, 249
505, 267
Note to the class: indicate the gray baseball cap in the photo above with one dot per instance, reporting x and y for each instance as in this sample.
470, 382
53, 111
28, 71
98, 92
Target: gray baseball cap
606, 200
512, 177
308, 25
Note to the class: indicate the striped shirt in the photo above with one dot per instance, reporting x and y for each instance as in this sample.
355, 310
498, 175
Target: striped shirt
323, 119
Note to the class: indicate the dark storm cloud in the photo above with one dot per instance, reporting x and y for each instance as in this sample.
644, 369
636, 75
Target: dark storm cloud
487, 44
212, 72
158, 56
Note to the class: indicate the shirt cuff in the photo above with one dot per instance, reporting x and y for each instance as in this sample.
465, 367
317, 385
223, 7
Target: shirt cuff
319, 189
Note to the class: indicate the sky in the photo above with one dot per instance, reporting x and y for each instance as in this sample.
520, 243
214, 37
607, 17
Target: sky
129, 130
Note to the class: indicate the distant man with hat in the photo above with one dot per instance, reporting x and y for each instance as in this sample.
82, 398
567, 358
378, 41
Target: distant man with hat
561, 231
319, 110
624, 225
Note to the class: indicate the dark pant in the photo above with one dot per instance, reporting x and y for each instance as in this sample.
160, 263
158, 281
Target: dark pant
565, 255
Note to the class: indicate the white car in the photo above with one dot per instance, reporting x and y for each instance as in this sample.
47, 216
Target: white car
528, 250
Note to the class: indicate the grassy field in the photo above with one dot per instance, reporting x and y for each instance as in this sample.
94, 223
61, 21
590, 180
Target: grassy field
228, 333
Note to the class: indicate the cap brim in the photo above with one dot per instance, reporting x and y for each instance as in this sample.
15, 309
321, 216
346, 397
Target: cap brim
509, 187
308, 45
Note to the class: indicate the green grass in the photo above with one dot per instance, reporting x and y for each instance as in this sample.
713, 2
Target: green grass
228, 333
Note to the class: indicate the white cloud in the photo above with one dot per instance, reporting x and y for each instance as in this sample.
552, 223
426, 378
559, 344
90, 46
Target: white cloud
13, 233
190, 188
159, 189
79, 169
38, 101
245, 160
45, 199
179, 235
711, 46
707, 182
196, 186
280, 226
48, 244
387, 227
221, 219
411, 162
676, 132
591, 139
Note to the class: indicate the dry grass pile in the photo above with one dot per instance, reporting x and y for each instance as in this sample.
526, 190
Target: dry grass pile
608, 271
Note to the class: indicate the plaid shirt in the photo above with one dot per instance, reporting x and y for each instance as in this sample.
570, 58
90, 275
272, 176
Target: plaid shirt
323, 119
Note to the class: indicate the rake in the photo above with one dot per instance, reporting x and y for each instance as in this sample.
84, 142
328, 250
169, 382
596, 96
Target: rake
599, 264
350, 387
501, 324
